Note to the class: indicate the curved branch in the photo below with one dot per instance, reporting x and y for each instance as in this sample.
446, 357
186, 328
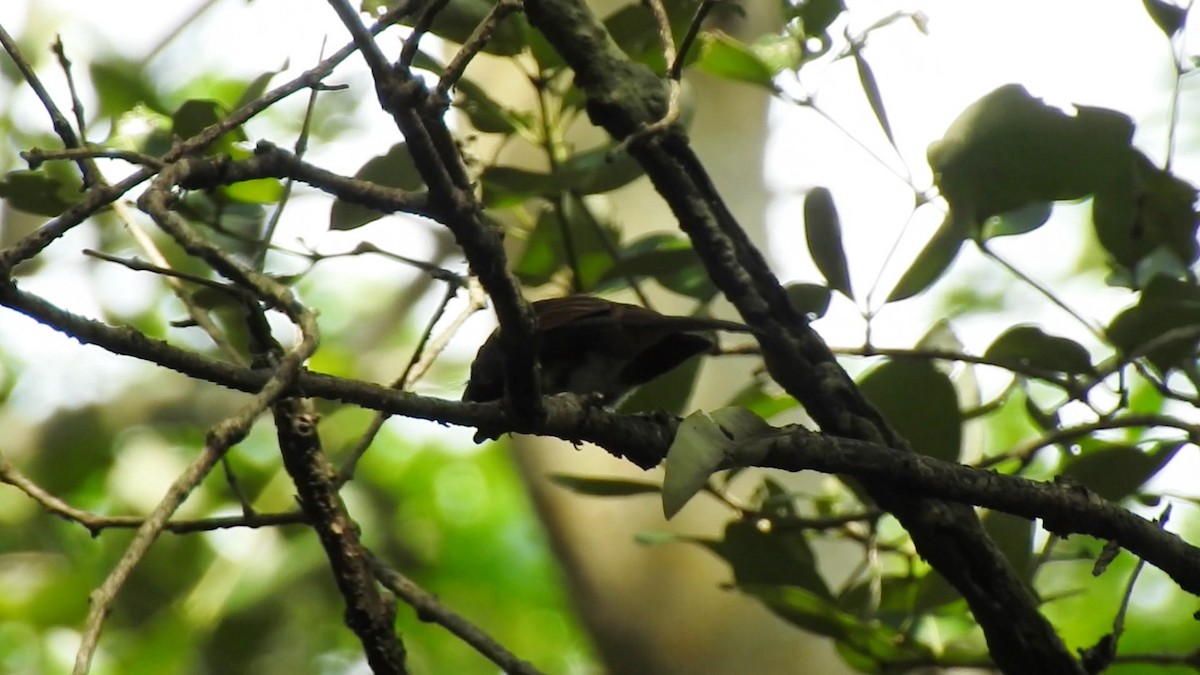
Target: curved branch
644, 440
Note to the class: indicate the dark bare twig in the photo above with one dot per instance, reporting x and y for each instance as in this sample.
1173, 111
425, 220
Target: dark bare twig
36, 156
96, 523
142, 266
675, 71
220, 438
59, 121
76, 104
424, 22
474, 44
429, 608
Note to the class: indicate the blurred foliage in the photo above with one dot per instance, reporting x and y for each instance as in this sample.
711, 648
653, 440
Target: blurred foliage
458, 521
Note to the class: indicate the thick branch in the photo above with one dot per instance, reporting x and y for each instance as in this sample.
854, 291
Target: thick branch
644, 440
625, 99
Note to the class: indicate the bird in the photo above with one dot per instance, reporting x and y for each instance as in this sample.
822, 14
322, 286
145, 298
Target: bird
598, 348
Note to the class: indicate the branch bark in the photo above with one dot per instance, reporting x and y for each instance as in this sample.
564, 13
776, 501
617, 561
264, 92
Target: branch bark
625, 99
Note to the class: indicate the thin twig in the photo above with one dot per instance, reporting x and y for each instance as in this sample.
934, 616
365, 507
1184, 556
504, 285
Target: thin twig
300, 147
424, 22
676, 68
474, 44
35, 156
140, 266
429, 608
421, 359
96, 523
220, 438
59, 121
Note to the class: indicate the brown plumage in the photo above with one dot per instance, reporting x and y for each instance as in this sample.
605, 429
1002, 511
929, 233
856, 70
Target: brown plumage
589, 345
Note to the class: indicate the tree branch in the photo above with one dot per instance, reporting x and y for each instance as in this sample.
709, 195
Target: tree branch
624, 98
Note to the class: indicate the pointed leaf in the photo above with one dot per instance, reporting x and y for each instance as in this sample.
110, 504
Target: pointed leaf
458, 19
877, 643
866, 77
724, 56
1169, 18
669, 260
823, 231
933, 260
603, 487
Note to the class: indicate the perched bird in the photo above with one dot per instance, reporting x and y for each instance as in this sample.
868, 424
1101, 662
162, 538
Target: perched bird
592, 346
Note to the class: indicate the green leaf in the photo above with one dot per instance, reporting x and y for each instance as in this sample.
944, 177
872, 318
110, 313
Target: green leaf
586, 173
760, 557
933, 260
505, 186
121, 85
1167, 307
1009, 149
755, 398
195, 115
1031, 346
817, 15
597, 171
393, 169
870, 86
1146, 210
1169, 18
546, 251
259, 191
810, 300
258, 86
698, 450
919, 400
801, 607
484, 112
705, 444
669, 260
632, 27
823, 231
1042, 419
892, 603
741, 425
726, 57
603, 487
1116, 471
38, 192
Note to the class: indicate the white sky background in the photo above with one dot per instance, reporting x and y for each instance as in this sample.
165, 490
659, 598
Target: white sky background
1094, 52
